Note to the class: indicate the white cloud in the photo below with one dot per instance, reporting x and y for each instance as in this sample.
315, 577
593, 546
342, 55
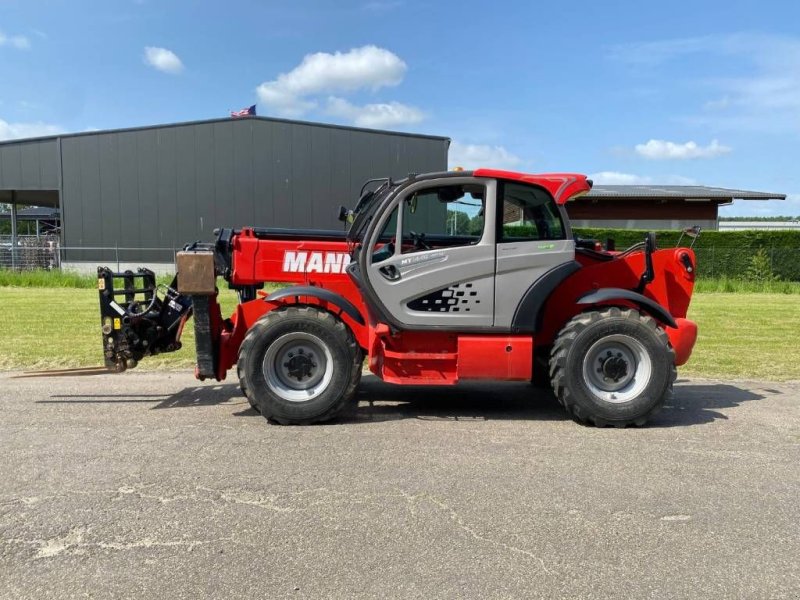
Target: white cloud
617, 178
162, 60
379, 115
368, 67
20, 42
11, 131
664, 150
472, 156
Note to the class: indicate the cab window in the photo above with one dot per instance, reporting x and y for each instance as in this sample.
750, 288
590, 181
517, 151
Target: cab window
443, 216
528, 213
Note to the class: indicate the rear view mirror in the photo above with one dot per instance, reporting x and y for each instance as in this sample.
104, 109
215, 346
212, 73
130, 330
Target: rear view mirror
450, 193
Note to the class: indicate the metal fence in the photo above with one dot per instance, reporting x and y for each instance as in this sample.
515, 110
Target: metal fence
46, 252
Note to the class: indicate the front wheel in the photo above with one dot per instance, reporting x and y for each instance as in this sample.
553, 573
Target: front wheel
612, 367
299, 365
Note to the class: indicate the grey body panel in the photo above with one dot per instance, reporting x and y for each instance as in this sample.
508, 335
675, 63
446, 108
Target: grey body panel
428, 272
472, 286
520, 264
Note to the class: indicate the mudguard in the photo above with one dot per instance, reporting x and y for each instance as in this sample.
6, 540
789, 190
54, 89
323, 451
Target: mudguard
649, 306
323, 294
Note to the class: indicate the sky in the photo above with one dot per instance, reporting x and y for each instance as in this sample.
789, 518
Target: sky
678, 92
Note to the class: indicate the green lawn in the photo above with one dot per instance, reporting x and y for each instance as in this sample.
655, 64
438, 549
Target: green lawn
741, 335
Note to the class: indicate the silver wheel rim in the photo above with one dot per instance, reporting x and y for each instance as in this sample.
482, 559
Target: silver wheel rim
298, 366
617, 368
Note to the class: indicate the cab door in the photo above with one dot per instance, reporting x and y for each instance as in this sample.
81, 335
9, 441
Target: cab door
431, 258
533, 237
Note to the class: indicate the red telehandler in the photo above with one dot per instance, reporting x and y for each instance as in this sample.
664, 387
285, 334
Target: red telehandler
439, 278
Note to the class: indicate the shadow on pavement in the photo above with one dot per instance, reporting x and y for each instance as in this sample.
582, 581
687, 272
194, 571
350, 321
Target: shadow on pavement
693, 404
200, 395
697, 404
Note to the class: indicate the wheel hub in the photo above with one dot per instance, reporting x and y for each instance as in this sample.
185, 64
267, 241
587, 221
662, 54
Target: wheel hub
613, 366
300, 365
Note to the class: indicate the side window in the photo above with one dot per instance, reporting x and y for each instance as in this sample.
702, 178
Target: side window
529, 214
444, 216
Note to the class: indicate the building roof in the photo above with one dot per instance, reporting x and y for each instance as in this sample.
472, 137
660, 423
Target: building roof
33, 213
678, 192
224, 120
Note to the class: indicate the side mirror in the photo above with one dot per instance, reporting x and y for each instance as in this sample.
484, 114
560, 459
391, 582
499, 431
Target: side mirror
345, 215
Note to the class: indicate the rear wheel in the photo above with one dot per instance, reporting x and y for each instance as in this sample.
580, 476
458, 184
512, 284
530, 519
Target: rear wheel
612, 367
299, 365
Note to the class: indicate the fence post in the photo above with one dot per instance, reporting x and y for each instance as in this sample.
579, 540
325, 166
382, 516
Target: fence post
14, 240
116, 254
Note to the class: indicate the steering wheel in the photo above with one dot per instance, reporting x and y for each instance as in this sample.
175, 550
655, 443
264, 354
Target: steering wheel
419, 240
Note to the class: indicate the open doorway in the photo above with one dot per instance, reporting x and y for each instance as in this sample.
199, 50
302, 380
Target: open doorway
30, 229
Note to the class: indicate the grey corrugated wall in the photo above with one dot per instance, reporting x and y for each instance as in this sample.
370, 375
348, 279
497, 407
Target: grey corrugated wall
163, 187
29, 165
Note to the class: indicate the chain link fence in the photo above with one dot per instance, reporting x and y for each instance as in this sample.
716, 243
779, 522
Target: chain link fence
46, 252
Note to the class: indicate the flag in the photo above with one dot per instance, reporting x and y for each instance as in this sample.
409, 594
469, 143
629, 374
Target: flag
245, 112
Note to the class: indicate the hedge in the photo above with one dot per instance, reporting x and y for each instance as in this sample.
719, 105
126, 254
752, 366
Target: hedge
721, 253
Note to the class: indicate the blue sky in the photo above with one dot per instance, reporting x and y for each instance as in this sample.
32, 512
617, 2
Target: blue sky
653, 92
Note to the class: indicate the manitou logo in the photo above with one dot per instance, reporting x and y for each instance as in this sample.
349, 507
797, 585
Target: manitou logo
315, 262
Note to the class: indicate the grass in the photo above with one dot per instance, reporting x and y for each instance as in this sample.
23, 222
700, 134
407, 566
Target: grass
726, 285
741, 335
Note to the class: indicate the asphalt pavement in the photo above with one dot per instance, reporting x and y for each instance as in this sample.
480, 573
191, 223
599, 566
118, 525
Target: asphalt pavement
152, 485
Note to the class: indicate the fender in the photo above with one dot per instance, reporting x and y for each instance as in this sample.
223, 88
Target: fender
646, 304
528, 316
317, 292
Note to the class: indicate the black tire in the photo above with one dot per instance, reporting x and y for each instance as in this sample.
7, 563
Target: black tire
612, 367
318, 387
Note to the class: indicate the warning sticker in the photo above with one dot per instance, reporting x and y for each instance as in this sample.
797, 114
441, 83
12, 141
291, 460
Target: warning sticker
117, 323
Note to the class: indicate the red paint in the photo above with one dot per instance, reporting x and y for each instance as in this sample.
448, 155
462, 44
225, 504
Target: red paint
682, 340
562, 186
495, 357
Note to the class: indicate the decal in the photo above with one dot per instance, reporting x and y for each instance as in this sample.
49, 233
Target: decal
117, 307
175, 306
420, 258
459, 297
117, 323
315, 262
546, 246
